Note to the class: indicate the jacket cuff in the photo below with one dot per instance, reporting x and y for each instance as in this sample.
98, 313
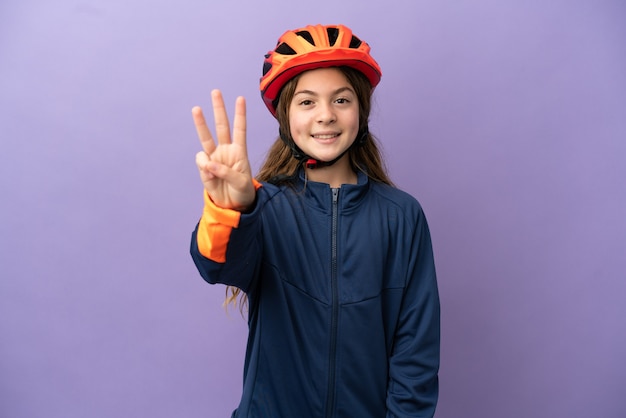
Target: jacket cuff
215, 227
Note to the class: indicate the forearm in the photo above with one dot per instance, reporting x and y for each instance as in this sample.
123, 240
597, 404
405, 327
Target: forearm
239, 267
413, 388
224, 248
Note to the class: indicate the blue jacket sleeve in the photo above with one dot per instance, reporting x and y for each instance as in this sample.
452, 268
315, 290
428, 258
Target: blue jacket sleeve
413, 387
243, 252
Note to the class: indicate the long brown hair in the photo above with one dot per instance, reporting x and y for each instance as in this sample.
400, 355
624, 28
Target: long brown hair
280, 166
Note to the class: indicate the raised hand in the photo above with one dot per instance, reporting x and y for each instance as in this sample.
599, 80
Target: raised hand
224, 168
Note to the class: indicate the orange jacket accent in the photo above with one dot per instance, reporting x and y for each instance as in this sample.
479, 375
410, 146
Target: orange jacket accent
215, 227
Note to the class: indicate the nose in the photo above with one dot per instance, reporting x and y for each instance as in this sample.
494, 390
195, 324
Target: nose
326, 113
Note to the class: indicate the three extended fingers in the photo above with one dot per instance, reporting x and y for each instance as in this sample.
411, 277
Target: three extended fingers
222, 125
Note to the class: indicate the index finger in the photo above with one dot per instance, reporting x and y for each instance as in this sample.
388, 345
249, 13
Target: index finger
206, 139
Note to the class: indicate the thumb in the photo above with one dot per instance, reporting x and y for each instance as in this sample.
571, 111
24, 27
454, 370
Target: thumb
202, 162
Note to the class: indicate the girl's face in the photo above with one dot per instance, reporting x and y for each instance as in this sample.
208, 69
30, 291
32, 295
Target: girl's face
324, 113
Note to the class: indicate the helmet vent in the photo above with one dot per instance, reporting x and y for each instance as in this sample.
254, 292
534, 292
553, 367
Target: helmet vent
355, 42
306, 35
267, 66
285, 49
333, 34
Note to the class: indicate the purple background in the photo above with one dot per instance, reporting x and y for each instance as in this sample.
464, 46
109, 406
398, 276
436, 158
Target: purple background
507, 120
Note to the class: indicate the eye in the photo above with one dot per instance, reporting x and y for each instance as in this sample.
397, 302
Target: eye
342, 100
305, 102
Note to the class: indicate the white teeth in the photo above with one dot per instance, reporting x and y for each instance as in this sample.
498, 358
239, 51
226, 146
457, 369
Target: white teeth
324, 136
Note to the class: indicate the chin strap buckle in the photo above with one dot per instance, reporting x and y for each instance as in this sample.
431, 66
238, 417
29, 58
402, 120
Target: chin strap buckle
311, 163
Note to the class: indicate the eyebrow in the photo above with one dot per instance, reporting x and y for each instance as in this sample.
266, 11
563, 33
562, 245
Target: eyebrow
338, 91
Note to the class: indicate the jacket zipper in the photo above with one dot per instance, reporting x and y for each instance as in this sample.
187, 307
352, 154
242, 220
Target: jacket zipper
330, 397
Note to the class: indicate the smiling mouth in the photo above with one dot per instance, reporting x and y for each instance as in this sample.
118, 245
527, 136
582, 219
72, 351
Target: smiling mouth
325, 136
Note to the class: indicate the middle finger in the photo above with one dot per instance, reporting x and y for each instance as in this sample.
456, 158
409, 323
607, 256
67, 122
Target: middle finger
222, 127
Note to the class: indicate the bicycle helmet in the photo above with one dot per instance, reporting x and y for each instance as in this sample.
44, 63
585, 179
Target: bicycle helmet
314, 47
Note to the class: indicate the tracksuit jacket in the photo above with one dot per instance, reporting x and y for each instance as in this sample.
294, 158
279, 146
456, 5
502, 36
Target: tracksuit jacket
343, 301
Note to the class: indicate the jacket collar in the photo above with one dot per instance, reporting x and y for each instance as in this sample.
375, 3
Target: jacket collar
320, 195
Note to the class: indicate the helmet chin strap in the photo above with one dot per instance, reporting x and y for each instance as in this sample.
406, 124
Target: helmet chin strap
312, 163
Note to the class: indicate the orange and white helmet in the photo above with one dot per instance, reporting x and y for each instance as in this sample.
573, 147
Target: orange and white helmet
314, 47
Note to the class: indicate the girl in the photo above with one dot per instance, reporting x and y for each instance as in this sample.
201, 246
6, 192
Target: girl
336, 264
